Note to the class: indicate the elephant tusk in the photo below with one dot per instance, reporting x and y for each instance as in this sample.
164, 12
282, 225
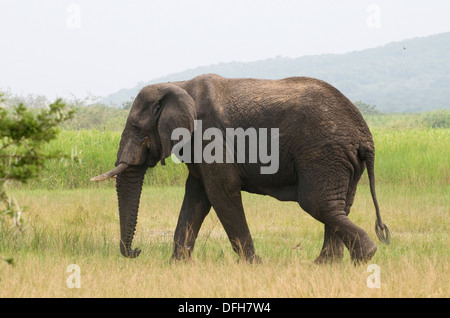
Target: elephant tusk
110, 174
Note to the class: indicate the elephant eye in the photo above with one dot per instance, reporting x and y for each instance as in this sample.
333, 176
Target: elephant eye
136, 128
156, 108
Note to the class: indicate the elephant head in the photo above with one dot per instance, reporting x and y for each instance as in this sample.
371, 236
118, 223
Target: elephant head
156, 112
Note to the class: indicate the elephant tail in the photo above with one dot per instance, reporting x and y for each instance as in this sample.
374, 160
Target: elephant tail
367, 154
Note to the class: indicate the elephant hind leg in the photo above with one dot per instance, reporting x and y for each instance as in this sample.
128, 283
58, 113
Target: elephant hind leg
328, 196
333, 247
340, 232
355, 239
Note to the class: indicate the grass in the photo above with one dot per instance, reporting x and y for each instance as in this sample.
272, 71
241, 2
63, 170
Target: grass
419, 155
94, 152
413, 156
70, 221
81, 227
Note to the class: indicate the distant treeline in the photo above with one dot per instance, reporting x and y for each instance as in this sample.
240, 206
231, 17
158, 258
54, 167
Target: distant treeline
90, 114
103, 117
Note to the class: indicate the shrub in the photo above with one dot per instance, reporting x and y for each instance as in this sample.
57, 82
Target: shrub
437, 119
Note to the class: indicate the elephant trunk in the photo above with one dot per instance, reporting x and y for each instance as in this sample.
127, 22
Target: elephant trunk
129, 188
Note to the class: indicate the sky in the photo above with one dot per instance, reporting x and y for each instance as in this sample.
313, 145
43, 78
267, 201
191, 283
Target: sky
61, 48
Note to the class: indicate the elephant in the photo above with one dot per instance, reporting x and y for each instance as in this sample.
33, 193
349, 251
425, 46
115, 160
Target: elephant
323, 145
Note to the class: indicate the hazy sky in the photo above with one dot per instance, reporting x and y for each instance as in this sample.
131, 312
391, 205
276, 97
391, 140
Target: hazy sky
57, 47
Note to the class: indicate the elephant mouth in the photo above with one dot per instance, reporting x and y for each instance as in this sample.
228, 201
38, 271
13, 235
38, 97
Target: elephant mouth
111, 174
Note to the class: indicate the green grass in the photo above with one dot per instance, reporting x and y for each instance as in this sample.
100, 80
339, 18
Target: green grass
94, 153
419, 156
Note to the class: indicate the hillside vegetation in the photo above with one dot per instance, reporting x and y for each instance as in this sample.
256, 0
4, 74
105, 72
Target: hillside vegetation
411, 75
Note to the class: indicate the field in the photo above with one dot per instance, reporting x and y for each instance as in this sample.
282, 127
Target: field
72, 221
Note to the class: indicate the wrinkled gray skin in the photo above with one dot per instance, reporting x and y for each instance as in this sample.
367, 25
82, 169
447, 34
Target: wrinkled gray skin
324, 141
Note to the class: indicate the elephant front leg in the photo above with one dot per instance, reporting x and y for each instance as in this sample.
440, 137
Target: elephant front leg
193, 211
224, 193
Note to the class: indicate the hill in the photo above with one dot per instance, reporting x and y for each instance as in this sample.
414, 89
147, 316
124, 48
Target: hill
410, 75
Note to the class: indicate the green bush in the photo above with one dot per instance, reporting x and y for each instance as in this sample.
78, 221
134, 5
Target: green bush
437, 119
23, 134
367, 109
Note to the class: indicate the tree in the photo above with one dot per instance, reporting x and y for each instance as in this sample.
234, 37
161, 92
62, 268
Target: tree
127, 105
23, 134
437, 119
367, 109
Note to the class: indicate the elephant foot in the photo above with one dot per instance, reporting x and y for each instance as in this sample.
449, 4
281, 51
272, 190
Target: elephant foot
178, 258
254, 259
327, 259
331, 253
181, 253
355, 239
363, 252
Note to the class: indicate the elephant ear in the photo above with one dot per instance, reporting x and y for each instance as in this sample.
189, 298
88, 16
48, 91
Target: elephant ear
177, 111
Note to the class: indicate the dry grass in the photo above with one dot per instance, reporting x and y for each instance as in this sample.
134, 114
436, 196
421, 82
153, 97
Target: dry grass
81, 227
